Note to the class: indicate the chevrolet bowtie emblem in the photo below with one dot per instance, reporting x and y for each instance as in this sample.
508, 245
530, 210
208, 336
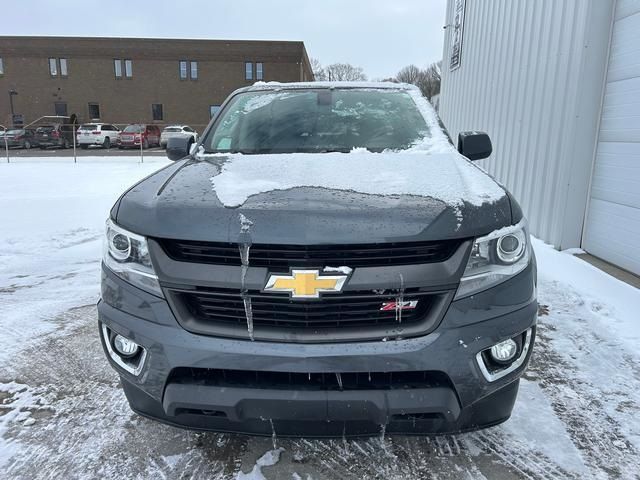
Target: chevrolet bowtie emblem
305, 283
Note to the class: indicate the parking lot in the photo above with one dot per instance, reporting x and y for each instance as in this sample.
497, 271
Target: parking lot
63, 413
18, 153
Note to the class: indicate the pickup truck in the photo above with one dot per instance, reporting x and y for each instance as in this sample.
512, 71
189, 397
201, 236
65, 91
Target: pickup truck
322, 262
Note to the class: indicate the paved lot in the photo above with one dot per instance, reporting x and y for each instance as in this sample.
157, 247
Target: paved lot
16, 154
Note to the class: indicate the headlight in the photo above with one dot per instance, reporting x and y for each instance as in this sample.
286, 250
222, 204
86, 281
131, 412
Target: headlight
127, 255
496, 258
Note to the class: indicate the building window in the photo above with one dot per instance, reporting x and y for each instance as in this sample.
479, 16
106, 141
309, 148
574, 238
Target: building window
63, 67
53, 67
94, 111
117, 67
248, 71
213, 110
183, 70
128, 68
194, 70
259, 71
156, 111
60, 109
1, 66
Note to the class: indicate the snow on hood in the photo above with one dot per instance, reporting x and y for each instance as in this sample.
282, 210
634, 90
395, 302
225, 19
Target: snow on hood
446, 177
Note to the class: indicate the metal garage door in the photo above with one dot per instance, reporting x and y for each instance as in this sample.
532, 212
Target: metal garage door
612, 230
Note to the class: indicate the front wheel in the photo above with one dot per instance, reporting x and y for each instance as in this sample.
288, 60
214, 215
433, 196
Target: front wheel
27, 144
65, 144
145, 144
84, 146
106, 143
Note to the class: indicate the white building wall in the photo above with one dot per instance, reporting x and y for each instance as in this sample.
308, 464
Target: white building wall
531, 75
612, 230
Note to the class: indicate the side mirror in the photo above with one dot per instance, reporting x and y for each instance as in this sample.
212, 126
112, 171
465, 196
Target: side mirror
474, 145
178, 147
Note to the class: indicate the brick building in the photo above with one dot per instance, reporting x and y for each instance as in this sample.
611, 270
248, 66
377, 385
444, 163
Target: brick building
124, 80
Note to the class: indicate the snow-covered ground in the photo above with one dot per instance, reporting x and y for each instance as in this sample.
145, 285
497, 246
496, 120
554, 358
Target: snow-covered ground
63, 414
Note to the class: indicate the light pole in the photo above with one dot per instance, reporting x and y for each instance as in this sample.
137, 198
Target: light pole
12, 92
6, 145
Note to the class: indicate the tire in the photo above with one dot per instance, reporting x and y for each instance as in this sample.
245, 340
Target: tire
27, 145
84, 146
107, 143
43, 147
65, 143
145, 144
189, 146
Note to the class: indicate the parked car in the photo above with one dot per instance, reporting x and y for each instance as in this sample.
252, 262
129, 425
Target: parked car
103, 134
325, 263
173, 131
54, 135
132, 134
19, 138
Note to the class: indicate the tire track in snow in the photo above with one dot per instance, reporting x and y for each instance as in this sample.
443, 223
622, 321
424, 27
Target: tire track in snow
592, 383
92, 432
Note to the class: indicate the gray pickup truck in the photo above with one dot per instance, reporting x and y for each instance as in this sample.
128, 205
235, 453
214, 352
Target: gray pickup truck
322, 262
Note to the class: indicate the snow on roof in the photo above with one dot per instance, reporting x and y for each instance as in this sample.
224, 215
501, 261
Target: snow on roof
300, 85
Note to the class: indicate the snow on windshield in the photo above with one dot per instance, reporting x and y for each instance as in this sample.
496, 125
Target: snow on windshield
449, 178
430, 167
315, 120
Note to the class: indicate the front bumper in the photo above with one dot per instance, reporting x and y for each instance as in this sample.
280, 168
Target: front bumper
90, 141
467, 401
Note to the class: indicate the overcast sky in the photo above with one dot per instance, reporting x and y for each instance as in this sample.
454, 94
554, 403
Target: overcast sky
381, 36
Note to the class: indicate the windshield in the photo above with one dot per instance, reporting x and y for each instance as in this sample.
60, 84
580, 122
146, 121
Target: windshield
319, 120
45, 129
15, 132
173, 129
88, 126
133, 129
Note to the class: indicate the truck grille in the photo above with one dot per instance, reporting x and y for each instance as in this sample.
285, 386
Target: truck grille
350, 316
281, 257
356, 309
311, 380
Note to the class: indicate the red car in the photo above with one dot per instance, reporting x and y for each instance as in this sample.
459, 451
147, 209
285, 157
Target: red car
132, 134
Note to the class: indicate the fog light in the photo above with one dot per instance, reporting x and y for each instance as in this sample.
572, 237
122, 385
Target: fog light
504, 352
124, 346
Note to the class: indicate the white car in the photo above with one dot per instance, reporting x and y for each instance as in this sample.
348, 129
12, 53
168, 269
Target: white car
177, 131
102, 134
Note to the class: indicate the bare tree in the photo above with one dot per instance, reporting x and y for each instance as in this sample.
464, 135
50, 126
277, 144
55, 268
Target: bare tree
319, 73
430, 85
409, 74
428, 80
344, 72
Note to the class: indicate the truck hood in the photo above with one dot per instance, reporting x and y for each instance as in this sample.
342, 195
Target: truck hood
317, 198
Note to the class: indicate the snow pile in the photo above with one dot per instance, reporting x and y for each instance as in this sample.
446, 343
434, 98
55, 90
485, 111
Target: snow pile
449, 178
620, 318
53, 212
